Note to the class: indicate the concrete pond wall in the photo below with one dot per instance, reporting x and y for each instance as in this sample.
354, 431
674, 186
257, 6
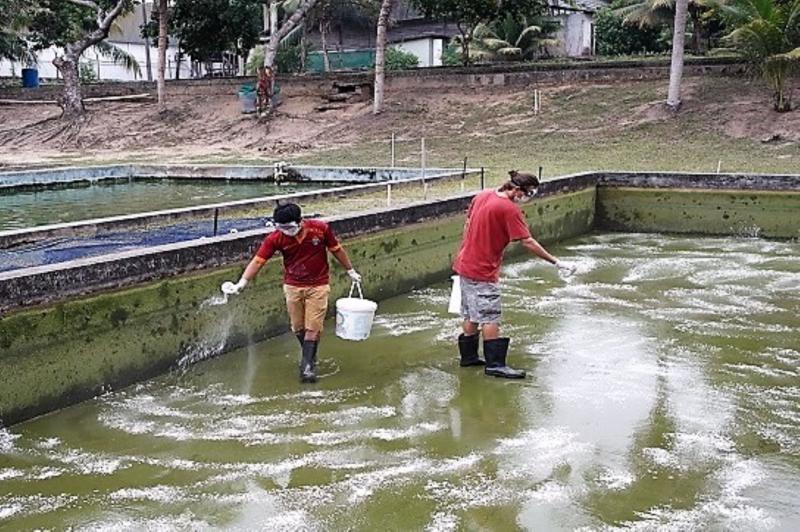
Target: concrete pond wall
73, 331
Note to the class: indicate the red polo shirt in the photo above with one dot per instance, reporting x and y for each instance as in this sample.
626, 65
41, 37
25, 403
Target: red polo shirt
492, 222
305, 256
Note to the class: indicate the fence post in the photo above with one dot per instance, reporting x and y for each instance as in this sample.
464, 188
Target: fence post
483, 177
393, 157
216, 221
389, 195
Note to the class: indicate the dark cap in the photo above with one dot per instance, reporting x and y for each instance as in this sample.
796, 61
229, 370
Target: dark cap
286, 213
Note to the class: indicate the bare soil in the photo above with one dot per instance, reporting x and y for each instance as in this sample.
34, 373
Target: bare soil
486, 123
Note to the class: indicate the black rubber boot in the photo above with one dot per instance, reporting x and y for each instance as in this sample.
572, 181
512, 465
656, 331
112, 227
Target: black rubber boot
468, 348
301, 336
309, 361
495, 352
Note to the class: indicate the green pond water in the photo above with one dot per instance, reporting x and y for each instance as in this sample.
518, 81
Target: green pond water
663, 394
28, 208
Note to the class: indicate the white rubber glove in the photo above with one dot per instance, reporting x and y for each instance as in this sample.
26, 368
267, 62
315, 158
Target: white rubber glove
567, 268
354, 275
231, 289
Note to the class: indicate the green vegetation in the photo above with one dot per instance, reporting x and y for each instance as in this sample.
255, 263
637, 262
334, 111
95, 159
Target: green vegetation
767, 33
397, 59
616, 37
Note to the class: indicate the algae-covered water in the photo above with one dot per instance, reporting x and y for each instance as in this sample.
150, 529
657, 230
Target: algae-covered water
663, 394
29, 208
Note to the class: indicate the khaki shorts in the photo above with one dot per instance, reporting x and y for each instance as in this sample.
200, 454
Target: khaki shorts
307, 306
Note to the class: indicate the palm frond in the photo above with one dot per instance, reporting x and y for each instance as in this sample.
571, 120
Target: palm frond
119, 57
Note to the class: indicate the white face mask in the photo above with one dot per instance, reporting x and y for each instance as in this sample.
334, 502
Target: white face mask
290, 229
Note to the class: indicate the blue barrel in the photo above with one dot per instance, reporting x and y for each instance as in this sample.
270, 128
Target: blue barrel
30, 78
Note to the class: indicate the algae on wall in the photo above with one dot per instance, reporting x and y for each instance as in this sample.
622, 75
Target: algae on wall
714, 212
54, 356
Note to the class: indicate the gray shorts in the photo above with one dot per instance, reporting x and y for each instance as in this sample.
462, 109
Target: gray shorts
480, 301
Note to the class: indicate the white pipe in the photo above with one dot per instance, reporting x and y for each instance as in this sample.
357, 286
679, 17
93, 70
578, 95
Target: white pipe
392, 150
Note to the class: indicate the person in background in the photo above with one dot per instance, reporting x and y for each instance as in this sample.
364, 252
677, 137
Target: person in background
494, 219
304, 245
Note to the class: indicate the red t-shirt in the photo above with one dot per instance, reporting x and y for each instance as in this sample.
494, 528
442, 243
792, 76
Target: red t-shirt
492, 222
305, 256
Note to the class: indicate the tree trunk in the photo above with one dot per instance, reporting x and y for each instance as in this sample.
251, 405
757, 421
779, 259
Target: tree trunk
697, 42
71, 100
276, 37
678, 43
380, 54
303, 48
148, 63
163, 13
271, 50
178, 60
464, 44
326, 59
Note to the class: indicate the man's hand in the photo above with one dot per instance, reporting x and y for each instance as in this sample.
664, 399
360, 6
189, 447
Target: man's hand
354, 275
231, 289
567, 268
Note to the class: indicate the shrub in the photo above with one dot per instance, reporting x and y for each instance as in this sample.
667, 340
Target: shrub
397, 59
614, 37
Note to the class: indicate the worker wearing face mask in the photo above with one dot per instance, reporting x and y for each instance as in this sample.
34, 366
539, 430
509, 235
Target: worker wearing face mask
304, 245
494, 219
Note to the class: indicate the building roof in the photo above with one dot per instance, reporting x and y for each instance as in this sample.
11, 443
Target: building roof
590, 6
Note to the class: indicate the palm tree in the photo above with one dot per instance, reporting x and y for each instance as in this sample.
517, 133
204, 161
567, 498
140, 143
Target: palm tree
512, 38
678, 43
767, 33
380, 58
654, 13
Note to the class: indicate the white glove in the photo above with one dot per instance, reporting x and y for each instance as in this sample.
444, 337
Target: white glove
354, 275
567, 268
231, 289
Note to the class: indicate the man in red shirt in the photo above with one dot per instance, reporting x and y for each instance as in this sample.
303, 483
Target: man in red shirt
493, 221
304, 245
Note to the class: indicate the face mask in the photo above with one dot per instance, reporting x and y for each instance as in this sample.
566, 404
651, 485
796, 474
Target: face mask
290, 229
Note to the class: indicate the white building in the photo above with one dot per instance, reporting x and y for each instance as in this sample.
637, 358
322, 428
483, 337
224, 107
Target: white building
127, 36
576, 36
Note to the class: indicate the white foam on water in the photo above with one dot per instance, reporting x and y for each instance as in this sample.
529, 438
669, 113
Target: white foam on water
614, 480
164, 523
36, 504
534, 454
90, 464
408, 323
442, 522
164, 494
10, 509
9, 473
7, 439
426, 392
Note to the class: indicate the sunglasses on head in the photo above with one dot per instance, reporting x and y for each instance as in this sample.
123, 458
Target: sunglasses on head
529, 192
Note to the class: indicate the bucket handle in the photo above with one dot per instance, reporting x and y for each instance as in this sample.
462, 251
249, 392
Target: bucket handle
353, 286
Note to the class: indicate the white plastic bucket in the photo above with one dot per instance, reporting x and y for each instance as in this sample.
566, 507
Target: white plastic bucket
454, 307
354, 316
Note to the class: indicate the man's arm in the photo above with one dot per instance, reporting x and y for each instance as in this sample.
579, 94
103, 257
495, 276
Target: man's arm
253, 268
344, 260
537, 249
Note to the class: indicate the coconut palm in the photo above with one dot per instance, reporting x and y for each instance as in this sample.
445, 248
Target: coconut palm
654, 13
767, 33
512, 38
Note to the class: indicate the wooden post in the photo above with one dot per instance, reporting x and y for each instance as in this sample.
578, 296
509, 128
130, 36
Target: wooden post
393, 152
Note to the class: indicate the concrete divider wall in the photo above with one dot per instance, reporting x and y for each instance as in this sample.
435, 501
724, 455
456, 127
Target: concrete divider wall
77, 347
316, 85
327, 174
228, 210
